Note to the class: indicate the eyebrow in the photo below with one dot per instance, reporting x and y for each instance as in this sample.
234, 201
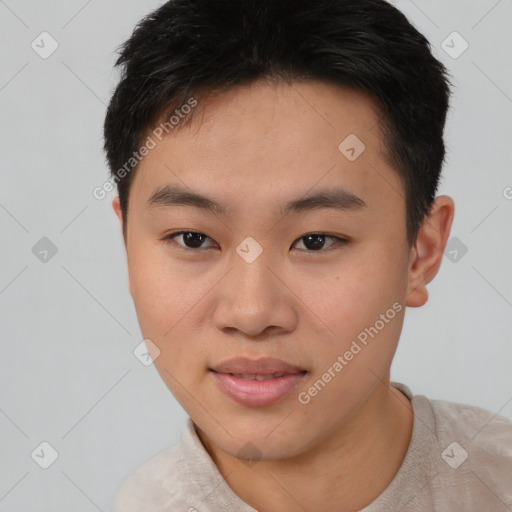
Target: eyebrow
335, 198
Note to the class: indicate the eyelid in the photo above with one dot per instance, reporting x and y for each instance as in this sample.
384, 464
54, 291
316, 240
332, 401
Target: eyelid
337, 240
169, 238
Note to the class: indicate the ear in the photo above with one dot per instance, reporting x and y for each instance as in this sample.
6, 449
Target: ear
116, 205
427, 251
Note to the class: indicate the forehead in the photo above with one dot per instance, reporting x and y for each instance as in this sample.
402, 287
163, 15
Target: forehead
271, 142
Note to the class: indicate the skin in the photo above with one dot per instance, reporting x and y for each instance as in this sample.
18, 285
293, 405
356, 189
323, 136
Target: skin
254, 148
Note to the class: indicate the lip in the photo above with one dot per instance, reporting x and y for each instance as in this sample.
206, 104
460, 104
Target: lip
257, 393
262, 366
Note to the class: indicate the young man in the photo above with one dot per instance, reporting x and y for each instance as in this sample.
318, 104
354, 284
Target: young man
277, 163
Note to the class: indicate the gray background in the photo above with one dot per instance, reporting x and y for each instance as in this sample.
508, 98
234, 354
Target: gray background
68, 375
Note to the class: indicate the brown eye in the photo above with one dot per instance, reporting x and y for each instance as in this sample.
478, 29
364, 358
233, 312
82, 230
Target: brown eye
191, 239
315, 242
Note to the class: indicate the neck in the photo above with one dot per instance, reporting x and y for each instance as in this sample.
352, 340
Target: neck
360, 458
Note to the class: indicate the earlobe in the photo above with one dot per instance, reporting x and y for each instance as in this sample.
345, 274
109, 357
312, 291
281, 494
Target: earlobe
427, 252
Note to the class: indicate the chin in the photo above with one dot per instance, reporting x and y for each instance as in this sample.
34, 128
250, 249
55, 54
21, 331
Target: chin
269, 438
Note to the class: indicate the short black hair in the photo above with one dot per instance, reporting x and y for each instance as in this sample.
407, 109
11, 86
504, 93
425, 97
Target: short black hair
189, 47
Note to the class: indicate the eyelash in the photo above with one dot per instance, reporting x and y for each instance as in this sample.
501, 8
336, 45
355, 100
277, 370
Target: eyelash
169, 239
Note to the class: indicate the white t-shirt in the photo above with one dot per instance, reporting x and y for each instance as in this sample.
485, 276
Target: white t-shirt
459, 459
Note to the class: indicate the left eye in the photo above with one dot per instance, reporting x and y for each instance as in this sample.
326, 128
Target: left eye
316, 241
313, 242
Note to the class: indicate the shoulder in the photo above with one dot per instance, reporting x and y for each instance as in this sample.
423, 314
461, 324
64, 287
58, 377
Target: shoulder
161, 481
482, 431
474, 453
459, 458
485, 433
181, 478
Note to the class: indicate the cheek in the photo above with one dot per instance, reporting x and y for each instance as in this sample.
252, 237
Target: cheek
354, 297
168, 303
362, 302
161, 293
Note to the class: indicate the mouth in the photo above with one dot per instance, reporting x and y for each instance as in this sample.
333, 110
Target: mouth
263, 366
259, 376
257, 383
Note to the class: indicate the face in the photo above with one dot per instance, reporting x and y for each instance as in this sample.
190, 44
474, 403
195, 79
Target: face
320, 285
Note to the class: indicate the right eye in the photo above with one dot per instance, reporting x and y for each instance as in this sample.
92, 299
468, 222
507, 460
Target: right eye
191, 239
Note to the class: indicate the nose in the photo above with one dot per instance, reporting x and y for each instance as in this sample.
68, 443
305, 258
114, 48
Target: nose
254, 299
